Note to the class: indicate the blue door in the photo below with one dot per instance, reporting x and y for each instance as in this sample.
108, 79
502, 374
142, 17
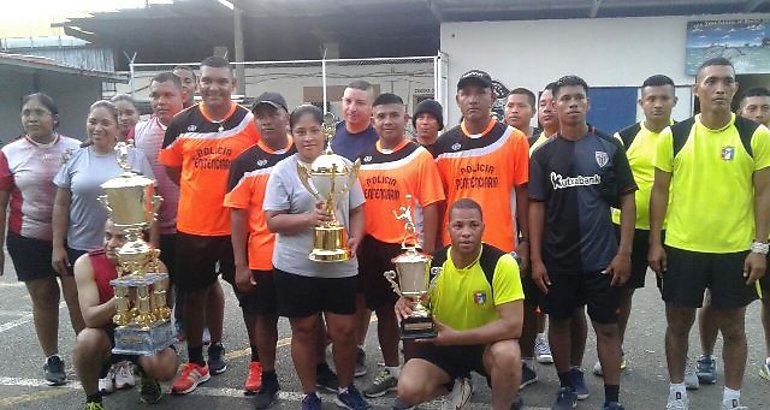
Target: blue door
612, 108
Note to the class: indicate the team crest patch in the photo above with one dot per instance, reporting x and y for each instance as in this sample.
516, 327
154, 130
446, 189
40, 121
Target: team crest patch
192, 128
728, 153
368, 158
480, 297
602, 158
261, 163
456, 146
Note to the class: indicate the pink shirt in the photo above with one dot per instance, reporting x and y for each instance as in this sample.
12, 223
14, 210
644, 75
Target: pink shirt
149, 138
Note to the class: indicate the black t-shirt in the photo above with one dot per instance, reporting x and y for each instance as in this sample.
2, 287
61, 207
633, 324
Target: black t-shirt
578, 181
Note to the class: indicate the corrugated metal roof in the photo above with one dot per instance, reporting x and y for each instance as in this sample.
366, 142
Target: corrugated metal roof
33, 63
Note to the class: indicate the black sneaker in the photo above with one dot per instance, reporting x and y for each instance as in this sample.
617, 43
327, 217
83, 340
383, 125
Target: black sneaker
361, 369
267, 395
217, 363
565, 400
54, 370
149, 390
326, 380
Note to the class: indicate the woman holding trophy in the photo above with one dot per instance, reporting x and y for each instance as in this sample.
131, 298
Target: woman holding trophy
325, 281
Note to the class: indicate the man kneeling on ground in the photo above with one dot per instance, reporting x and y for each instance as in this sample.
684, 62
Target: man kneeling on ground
93, 273
477, 307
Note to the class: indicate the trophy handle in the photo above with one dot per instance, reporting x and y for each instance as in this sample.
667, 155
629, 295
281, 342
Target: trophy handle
352, 177
104, 201
435, 272
304, 178
390, 276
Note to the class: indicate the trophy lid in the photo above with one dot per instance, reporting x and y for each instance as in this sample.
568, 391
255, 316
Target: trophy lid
412, 255
329, 162
128, 181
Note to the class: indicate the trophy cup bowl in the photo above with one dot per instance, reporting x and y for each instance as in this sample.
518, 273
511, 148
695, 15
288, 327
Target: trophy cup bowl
413, 273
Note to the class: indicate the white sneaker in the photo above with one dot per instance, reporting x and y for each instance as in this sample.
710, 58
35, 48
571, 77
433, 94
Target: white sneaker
734, 404
691, 381
677, 401
124, 375
107, 384
460, 395
543, 350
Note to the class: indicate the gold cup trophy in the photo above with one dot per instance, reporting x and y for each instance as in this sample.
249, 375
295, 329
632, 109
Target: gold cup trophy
143, 318
414, 272
328, 178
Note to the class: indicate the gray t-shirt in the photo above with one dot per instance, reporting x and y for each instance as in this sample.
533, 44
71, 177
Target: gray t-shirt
83, 175
285, 192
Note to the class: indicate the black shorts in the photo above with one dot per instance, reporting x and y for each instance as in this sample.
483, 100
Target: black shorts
303, 296
456, 361
764, 283
168, 254
373, 260
690, 273
533, 296
261, 300
572, 291
200, 259
31, 257
639, 264
73, 255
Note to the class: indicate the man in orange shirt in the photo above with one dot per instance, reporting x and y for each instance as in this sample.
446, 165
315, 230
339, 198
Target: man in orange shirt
393, 172
199, 146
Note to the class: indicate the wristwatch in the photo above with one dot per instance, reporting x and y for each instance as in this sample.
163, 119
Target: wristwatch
760, 248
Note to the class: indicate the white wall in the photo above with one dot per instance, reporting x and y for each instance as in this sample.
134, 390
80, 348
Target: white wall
605, 52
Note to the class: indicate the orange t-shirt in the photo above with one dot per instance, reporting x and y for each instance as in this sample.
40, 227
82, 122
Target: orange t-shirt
246, 190
204, 150
386, 179
486, 168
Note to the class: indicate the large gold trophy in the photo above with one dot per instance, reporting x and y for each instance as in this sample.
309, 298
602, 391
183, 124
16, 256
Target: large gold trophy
143, 317
328, 178
413, 271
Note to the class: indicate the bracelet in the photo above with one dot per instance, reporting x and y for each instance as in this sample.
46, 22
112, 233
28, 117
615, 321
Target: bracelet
760, 248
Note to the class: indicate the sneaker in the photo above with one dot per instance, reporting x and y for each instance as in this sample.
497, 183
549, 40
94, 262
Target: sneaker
677, 401
107, 384
192, 375
579, 383
92, 405
253, 379
217, 363
206, 338
597, 370
361, 369
267, 395
691, 381
707, 369
460, 395
149, 390
528, 375
764, 371
543, 350
326, 380
565, 399
734, 404
351, 399
400, 405
54, 370
124, 375
612, 405
384, 382
311, 402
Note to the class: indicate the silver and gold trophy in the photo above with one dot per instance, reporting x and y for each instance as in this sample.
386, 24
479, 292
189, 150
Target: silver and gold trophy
143, 318
328, 178
413, 271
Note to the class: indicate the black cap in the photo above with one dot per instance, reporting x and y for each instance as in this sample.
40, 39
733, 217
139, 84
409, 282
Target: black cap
431, 107
272, 99
476, 77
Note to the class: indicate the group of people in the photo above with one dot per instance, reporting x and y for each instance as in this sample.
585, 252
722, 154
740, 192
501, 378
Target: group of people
525, 224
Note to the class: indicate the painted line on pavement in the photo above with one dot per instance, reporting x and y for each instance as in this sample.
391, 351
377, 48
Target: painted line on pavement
12, 285
14, 323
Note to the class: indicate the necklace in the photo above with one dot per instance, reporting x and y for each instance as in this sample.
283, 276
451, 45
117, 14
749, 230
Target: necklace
219, 122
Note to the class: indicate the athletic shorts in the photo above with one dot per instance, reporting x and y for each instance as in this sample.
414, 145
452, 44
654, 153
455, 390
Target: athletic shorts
302, 296
456, 361
167, 248
639, 264
690, 273
201, 259
373, 260
261, 300
533, 296
73, 255
31, 257
572, 291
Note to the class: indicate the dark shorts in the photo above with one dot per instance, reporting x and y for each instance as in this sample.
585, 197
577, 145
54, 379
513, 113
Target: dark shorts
261, 300
31, 257
303, 296
533, 296
639, 249
572, 291
168, 254
764, 283
201, 259
373, 260
690, 273
115, 358
73, 255
456, 361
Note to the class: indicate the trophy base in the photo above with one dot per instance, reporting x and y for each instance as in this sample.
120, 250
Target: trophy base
418, 328
327, 256
137, 341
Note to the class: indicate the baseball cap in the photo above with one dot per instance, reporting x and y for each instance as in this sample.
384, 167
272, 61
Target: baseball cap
272, 99
476, 77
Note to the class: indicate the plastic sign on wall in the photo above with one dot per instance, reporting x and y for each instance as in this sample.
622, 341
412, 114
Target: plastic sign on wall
745, 42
